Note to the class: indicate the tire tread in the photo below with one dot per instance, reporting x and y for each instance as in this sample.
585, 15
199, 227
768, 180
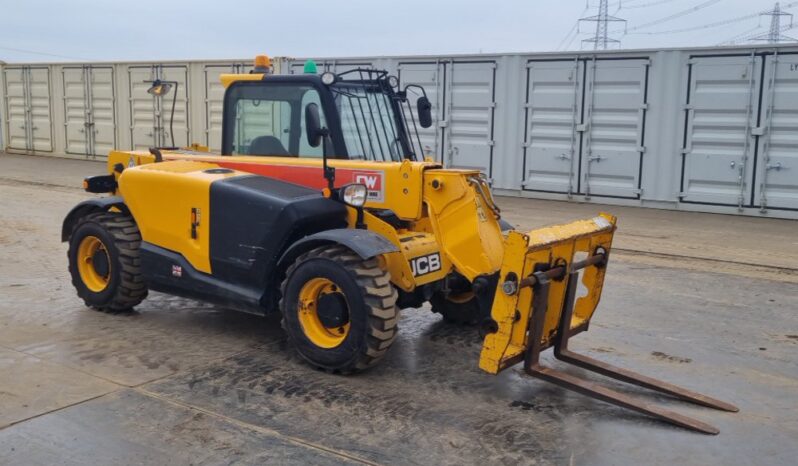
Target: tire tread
131, 289
378, 293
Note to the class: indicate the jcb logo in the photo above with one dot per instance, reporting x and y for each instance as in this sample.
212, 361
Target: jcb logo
423, 265
374, 183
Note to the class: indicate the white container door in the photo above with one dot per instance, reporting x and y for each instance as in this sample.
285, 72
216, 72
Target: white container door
144, 127
28, 108
720, 114
16, 108
470, 106
102, 110
89, 112
776, 176
614, 117
40, 110
75, 110
181, 117
553, 112
150, 115
214, 101
430, 76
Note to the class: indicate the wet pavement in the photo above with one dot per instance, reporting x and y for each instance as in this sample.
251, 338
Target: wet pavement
181, 382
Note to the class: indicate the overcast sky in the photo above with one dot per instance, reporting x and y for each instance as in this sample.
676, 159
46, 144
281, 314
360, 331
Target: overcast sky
74, 30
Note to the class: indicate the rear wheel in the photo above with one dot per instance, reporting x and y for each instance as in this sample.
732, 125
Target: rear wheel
338, 309
104, 261
459, 308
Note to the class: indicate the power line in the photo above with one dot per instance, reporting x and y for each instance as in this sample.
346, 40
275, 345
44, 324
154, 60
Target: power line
623, 5
568, 45
743, 35
46, 54
712, 25
677, 15
569, 38
746, 36
574, 30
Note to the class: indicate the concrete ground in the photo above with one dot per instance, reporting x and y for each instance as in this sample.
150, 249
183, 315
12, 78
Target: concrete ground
706, 301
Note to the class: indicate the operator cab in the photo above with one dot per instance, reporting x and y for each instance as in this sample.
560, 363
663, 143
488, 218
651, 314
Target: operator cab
360, 114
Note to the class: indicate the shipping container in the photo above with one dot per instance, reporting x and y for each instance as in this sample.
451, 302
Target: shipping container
703, 129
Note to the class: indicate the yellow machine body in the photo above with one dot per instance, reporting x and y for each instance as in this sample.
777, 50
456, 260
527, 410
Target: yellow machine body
444, 211
452, 219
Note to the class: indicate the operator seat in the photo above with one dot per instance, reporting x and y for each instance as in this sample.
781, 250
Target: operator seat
267, 145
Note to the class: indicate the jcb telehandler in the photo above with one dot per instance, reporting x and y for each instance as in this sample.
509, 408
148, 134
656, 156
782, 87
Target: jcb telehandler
322, 207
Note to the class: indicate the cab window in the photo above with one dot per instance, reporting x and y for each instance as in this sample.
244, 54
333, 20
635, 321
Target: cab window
269, 120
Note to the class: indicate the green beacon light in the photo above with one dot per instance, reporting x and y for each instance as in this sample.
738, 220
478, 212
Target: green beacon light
310, 67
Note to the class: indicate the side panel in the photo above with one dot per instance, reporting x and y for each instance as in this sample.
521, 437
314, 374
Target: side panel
553, 111
776, 175
253, 219
164, 218
615, 106
718, 151
470, 107
430, 77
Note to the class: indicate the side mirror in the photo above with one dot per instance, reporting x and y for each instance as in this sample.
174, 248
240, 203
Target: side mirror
424, 112
313, 129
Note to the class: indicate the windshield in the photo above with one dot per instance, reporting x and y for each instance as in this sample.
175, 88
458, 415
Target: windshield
369, 123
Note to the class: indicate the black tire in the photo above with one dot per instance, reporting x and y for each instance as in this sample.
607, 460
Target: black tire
121, 239
369, 297
466, 312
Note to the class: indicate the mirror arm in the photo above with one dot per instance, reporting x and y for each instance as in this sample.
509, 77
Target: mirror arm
329, 172
415, 86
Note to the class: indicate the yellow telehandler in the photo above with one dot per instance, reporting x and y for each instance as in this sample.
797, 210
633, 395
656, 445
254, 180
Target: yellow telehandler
321, 206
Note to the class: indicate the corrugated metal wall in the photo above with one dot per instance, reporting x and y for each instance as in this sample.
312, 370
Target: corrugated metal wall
695, 129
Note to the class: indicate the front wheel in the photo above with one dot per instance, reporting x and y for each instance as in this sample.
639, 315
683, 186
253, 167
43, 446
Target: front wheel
338, 309
104, 261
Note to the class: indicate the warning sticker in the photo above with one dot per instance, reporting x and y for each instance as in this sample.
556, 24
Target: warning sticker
374, 181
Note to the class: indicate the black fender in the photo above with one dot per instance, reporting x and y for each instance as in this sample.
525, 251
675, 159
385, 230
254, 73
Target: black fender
99, 204
364, 243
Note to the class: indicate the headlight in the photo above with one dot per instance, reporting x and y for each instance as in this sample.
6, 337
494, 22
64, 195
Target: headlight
328, 78
354, 195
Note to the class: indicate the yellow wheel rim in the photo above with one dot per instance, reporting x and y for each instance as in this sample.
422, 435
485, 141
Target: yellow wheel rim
90, 250
315, 330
